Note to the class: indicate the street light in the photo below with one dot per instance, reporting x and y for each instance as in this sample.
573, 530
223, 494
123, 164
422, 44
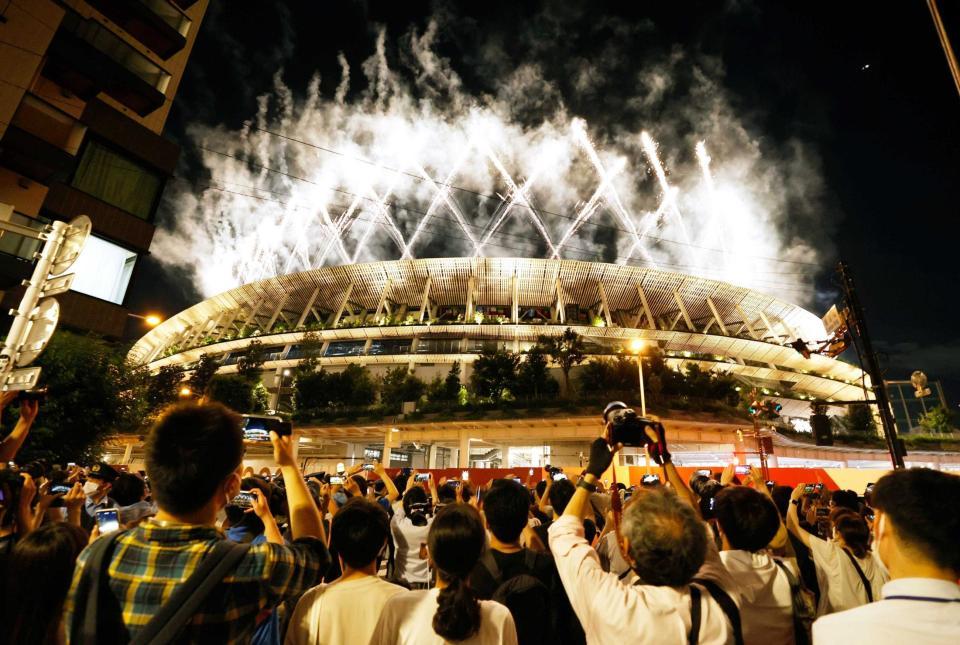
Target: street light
152, 320
185, 391
636, 347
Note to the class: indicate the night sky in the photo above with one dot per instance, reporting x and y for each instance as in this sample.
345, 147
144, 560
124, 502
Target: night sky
863, 85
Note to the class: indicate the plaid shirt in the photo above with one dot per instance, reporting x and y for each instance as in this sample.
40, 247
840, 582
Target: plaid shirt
150, 561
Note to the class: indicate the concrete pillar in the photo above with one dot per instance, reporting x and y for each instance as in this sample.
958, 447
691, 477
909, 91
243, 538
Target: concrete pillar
432, 451
463, 457
387, 442
772, 461
127, 453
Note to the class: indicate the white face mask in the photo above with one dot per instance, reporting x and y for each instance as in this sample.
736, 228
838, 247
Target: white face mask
90, 488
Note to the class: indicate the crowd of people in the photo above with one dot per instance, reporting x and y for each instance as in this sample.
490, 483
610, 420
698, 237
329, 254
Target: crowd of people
197, 548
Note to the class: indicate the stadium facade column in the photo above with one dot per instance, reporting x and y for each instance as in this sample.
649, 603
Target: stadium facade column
463, 455
387, 439
432, 451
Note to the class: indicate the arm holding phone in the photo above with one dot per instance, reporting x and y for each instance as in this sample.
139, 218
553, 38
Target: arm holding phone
305, 519
779, 540
392, 493
13, 441
261, 507
793, 520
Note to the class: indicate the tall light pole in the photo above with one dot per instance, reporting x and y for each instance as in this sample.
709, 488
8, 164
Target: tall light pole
636, 347
276, 403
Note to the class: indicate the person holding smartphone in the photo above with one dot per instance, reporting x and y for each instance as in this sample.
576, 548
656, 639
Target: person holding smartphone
194, 457
412, 517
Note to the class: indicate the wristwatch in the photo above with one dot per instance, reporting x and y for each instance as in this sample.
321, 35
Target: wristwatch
583, 483
795, 502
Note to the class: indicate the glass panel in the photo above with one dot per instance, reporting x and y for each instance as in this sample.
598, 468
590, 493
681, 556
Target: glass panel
19, 245
438, 346
346, 348
103, 270
117, 180
380, 347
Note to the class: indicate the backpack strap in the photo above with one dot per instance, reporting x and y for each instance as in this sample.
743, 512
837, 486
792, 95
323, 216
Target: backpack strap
695, 611
727, 604
184, 603
792, 580
863, 577
90, 614
490, 564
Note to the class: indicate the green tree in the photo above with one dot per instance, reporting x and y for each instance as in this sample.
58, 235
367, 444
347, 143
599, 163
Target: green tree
859, 420
199, 380
936, 420
162, 389
92, 393
451, 384
310, 347
249, 365
533, 378
398, 386
495, 374
311, 389
567, 351
234, 391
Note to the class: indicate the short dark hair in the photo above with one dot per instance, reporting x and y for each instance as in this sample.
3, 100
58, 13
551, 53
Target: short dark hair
127, 489
446, 494
189, 452
854, 530
668, 542
781, 497
845, 499
358, 532
560, 494
917, 502
507, 507
747, 517
361, 484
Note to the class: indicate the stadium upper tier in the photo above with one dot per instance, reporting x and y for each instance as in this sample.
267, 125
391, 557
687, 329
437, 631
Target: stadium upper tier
439, 311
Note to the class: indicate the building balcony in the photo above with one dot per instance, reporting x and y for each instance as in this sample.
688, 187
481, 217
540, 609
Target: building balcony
159, 24
33, 157
87, 58
65, 202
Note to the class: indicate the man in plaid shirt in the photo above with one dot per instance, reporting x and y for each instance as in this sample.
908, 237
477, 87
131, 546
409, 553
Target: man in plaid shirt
193, 458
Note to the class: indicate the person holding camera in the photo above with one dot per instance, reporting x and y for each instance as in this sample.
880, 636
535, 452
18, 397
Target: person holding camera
916, 538
848, 574
410, 526
29, 407
175, 576
684, 593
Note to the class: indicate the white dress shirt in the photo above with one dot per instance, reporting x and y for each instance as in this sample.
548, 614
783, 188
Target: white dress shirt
913, 611
407, 619
766, 601
615, 612
840, 586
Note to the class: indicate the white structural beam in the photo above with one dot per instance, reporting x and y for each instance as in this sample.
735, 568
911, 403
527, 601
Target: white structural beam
306, 310
561, 304
514, 305
276, 312
252, 317
644, 309
746, 323
468, 310
344, 303
683, 311
716, 316
605, 304
382, 304
766, 321
425, 300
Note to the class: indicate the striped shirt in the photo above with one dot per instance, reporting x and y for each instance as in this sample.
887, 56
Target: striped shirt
152, 560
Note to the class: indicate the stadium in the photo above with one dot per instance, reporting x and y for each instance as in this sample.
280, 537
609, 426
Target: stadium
428, 314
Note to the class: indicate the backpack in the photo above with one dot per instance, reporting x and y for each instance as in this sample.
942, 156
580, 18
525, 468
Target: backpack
527, 598
804, 606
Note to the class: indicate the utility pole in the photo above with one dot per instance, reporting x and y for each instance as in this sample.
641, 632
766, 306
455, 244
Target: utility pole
857, 324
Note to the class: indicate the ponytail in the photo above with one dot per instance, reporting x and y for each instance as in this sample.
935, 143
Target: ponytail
458, 611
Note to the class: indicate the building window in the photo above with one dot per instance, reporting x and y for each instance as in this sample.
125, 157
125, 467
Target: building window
19, 245
103, 270
117, 180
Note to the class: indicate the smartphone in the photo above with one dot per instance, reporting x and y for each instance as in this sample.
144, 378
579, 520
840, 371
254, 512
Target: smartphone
530, 472
367, 467
108, 520
465, 475
809, 489
517, 479
823, 511
244, 499
258, 428
456, 483
59, 490
705, 472
650, 480
558, 476
336, 480
818, 487
771, 484
868, 516
743, 470
71, 464
421, 477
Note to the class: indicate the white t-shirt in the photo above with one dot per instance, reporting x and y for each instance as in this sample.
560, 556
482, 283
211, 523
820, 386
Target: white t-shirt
913, 611
611, 557
345, 611
616, 612
840, 585
408, 565
407, 619
766, 601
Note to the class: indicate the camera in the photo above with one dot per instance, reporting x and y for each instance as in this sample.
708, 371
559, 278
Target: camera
421, 477
367, 467
336, 480
628, 428
259, 427
244, 499
650, 480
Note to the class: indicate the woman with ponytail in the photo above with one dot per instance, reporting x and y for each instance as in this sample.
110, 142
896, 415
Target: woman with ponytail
449, 613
